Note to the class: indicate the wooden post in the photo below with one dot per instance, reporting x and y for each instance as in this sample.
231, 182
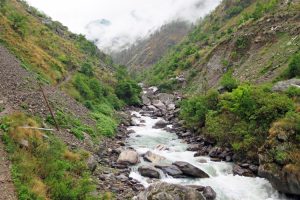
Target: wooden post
48, 105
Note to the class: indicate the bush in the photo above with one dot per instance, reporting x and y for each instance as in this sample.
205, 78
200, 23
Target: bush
294, 67
228, 82
105, 125
293, 92
87, 70
129, 92
194, 110
18, 23
244, 117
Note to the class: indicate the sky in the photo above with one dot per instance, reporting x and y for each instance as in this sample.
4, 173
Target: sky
116, 24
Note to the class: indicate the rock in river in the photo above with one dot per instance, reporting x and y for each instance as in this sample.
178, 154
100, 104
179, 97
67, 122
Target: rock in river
190, 170
149, 171
160, 124
166, 191
152, 157
128, 157
171, 170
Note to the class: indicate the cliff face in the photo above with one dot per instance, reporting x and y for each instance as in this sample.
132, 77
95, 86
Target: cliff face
146, 52
252, 39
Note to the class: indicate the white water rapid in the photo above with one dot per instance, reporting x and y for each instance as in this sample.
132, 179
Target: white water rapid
226, 185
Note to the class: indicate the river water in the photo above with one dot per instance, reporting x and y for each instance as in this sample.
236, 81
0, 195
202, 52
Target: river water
226, 185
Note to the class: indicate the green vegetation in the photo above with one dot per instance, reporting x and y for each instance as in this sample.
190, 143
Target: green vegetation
228, 82
294, 67
44, 168
240, 118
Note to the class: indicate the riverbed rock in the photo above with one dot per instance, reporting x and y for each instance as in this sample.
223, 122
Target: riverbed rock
190, 170
160, 124
149, 171
171, 170
146, 100
158, 104
152, 157
166, 98
237, 170
166, 191
209, 193
128, 157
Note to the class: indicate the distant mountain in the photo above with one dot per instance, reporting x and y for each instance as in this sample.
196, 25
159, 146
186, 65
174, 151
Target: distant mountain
148, 51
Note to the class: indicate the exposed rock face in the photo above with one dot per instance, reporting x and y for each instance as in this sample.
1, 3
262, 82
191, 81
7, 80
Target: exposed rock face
149, 171
166, 191
190, 170
171, 170
152, 157
128, 157
166, 98
284, 85
279, 157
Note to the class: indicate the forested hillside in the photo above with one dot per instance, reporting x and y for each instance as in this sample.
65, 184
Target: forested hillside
147, 52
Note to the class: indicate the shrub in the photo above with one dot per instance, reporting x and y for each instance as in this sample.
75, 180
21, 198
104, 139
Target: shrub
129, 92
194, 110
87, 69
105, 125
18, 23
294, 66
228, 82
293, 92
244, 116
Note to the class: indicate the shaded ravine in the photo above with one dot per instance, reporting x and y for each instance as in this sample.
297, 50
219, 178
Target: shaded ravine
227, 186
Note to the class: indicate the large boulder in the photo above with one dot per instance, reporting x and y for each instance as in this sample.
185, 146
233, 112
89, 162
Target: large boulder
209, 193
160, 124
166, 191
128, 157
158, 104
238, 170
190, 170
284, 85
149, 171
166, 98
152, 157
171, 170
146, 100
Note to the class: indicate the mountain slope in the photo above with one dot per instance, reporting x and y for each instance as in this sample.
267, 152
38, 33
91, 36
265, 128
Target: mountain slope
38, 55
252, 39
148, 51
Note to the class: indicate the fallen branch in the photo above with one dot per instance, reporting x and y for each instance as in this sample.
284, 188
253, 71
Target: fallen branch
44, 129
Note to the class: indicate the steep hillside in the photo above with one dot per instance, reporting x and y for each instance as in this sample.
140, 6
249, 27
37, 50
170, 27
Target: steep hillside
40, 57
253, 40
148, 51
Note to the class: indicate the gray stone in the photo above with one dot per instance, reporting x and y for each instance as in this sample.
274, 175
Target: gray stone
160, 124
171, 170
149, 171
152, 157
209, 193
128, 157
284, 85
190, 170
166, 191
92, 163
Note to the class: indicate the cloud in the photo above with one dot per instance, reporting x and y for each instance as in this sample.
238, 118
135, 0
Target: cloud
115, 24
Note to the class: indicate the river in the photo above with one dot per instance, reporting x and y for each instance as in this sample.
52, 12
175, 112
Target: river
226, 185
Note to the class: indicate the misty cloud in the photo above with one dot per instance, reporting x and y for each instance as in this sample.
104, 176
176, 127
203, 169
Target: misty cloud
115, 24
